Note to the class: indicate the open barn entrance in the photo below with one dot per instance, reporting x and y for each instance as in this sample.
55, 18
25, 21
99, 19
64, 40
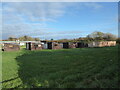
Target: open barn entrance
80, 45
65, 45
49, 45
28, 46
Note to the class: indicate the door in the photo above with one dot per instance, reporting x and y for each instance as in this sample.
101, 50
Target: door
49, 45
29, 46
66, 45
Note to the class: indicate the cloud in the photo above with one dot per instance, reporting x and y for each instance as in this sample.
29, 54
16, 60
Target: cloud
93, 5
23, 18
60, 34
18, 30
44, 33
22, 29
35, 11
69, 32
40, 11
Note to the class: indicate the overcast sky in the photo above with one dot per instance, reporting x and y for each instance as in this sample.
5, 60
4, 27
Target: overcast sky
58, 20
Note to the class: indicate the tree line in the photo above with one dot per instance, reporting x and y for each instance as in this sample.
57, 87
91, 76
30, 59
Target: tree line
23, 38
95, 36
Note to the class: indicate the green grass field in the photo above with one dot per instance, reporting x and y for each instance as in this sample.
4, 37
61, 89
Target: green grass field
66, 68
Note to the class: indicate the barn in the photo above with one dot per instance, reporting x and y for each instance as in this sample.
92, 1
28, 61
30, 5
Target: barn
74, 45
10, 47
34, 46
69, 44
54, 45
102, 44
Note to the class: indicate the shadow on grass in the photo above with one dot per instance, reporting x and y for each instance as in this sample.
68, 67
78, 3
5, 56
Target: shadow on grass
68, 68
43, 68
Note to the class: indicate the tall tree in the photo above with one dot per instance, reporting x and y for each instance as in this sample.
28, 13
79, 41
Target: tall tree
26, 38
10, 39
101, 36
109, 36
95, 34
37, 39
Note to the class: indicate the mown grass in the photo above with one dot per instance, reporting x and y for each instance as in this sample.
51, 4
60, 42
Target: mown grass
66, 68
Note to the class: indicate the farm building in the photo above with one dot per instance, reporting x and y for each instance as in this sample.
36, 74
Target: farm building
81, 45
34, 46
10, 47
102, 44
54, 45
69, 45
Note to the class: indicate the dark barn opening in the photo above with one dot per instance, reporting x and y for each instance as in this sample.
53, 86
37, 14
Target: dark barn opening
86, 45
49, 45
80, 45
65, 45
28, 46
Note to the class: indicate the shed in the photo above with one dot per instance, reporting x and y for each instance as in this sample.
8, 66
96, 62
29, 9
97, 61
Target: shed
11, 47
34, 46
102, 44
54, 45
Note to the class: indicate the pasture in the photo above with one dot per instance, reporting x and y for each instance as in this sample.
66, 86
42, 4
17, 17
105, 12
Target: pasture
65, 68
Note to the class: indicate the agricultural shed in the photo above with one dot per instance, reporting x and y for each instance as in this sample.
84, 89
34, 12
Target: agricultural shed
102, 44
34, 46
69, 45
10, 47
54, 45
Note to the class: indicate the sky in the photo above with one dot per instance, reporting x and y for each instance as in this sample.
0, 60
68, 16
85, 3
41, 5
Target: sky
58, 20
